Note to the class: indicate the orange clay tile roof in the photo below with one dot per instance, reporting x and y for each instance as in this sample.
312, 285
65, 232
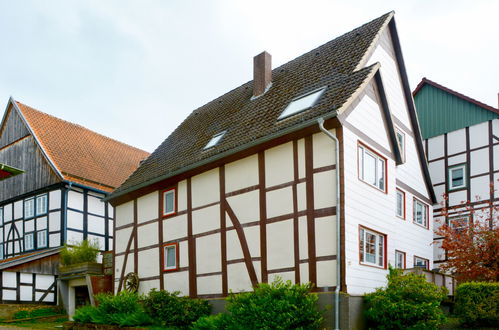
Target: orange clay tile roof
81, 155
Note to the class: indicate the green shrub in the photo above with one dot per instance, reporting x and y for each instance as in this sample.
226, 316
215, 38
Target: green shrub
124, 309
84, 251
280, 305
212, 322
168, 309
477, 303
21, 315
408, 302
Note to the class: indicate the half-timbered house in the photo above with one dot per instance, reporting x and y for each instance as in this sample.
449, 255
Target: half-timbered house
461, 138
54, 176
313, 171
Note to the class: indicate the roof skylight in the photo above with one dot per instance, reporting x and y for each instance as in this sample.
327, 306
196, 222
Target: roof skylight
215, 139
302, 103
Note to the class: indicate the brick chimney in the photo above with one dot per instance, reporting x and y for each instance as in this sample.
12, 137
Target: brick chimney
262, 73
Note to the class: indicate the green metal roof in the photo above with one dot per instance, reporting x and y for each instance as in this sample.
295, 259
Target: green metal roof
8, 171
441, 110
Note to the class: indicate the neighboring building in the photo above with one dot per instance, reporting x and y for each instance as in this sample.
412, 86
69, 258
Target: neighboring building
244, 190
59, 174
461, 137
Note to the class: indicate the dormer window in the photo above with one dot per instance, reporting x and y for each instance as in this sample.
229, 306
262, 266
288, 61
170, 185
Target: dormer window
214, 140
302, 103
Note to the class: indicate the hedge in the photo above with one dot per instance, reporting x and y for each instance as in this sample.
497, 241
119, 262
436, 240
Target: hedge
477, 303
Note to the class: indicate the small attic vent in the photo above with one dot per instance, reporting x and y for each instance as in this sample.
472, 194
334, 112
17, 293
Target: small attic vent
214, 140
302, 103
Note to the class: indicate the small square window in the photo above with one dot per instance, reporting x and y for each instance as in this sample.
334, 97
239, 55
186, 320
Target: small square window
400, 203
41, 204
302, 103
421, 262
372, 168
372, 248
401, 142
459, 224
457, 177
399, 259
169, 202
29, 207
41, 238
29, 243
215, 140
170, 255
420, 213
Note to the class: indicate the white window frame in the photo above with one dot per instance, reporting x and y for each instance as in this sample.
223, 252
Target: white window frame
31, 245
173, 192
426, 262
167, 247
41, 204
403, 261
401, 144
380, 167
29, 207
398, 193
214, 140
379, 248
295, 106
424, 220
465, 178
41, 237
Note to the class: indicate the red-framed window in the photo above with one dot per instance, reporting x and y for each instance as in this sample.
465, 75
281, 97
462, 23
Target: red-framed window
170, 257
400, 261
421, 215
169, 202
372, 167
400, 203
372, 248
421, 262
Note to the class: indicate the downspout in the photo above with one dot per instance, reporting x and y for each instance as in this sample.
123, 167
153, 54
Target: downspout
320, 121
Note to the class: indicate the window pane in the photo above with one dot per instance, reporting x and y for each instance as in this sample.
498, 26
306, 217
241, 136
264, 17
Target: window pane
399, 260
370, 168
457, 177
41, 204
29, 208
169, 206
42, 239
361, 162
301, 104
28, 241
419, 213
381, 174
400, 199
381, 251
171, 258
361, 244
370, 248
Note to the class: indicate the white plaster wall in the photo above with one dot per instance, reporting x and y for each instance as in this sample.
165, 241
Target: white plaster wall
55, 199
41, 223
456, 160
279, 202
29, 225
75, 220
177, 281
146, 286
209, 284
54, 240
242, 173
101, 241
206, 219
324, 189
73, 237
208, 254
54, 221
147, 235
480, 188
96, 225
246, 206
96, 205
75, 200
148, 262
205, 188
278, 168
437, 171
456, 141
175, 227
147, 207
303, 237
7, 212
479, 135
325, 236
435, 147
237, 277
301, 158
326, 273
280, 245
18, 209
301, 192
285, 276
122, 237
479, 161
182, 195
124, 214
324, 149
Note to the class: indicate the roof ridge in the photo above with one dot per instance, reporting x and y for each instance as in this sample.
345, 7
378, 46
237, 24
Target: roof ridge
79, 126
453, 92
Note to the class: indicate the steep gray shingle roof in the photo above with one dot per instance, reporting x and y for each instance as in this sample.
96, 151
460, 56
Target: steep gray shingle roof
331, 65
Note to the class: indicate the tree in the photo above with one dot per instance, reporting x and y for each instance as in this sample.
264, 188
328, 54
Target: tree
472, 248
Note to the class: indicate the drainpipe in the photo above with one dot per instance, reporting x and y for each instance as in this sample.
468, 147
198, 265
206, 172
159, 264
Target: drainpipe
320, 121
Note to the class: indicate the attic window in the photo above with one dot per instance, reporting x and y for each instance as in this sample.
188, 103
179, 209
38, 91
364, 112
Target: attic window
214, 140
302, 103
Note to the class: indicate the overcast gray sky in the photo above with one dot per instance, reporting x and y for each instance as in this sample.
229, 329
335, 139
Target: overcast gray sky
133, 70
